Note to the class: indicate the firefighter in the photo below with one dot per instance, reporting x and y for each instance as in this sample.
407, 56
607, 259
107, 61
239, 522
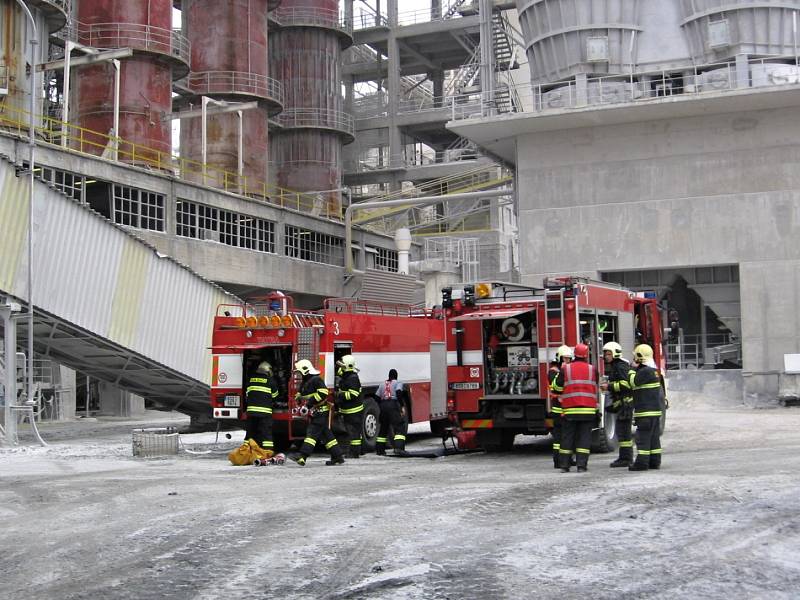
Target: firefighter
314, 394
262, 390
646, 383
392, 415
617, 371
563, 356
349, 403
577, 384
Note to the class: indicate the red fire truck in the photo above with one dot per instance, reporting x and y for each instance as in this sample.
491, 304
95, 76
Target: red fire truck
501, 337
380, 336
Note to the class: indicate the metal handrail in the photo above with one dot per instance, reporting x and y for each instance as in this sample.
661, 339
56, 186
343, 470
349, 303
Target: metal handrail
63, 5
313, 17
133, 35
94, 143
632, 88
235, 82
317, 117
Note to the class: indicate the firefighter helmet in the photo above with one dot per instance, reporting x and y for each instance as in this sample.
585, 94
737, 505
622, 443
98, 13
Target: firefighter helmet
642, 353
564, 352
264, 367
347, 363
305, 367
614, 348
581, 351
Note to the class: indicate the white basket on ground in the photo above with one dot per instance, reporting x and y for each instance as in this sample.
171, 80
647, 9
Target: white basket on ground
155, 441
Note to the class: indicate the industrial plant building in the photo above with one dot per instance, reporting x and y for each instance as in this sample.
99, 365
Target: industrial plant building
208, 150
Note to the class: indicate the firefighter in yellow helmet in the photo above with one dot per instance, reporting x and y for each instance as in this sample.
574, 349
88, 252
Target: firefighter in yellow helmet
261, 392
618, 371
349, 403
314, 394
647, 386
564, 355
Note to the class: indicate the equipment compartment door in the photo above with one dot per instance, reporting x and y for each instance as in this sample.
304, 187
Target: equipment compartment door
438, 357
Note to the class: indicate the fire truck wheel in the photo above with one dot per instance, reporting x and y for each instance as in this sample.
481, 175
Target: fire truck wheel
439, 427
496, 441
371, 423
604, 439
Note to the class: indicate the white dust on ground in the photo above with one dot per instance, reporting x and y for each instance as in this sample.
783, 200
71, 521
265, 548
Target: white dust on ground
720, 520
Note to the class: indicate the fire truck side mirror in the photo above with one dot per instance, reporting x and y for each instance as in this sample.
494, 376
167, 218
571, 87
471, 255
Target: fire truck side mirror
447, 297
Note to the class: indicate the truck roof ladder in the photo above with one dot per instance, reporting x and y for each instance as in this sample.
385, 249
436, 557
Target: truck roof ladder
554, 316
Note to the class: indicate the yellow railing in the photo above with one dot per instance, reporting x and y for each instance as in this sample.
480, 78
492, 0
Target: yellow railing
94, 143
466, 181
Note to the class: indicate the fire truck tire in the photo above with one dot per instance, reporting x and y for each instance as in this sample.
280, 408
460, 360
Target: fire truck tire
496, 441
371, 424
604, 439
439, 426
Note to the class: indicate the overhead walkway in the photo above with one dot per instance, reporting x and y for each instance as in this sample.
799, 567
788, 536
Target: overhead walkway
106, 303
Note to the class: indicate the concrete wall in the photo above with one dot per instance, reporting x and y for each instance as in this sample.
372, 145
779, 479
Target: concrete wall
677, 192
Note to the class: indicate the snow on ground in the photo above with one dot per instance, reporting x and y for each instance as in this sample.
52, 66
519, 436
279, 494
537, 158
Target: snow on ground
83, 518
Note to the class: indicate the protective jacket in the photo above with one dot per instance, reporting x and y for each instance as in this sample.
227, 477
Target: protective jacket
262, 390
646, 383
348, 396
555, 403
618, 372
314, 393
577, 383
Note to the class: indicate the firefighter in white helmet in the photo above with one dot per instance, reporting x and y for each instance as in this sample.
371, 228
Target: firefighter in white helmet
648, 386
349, 403
261, 392
617, 371
314, 394
564, 355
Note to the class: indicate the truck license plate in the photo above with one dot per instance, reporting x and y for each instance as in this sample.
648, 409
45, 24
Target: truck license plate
466, 385
231, 400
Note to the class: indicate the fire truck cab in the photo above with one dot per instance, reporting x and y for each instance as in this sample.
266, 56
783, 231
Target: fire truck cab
501, 338
380, 337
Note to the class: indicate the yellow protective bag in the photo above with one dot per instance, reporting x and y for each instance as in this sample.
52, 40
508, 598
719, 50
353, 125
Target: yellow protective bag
248, 452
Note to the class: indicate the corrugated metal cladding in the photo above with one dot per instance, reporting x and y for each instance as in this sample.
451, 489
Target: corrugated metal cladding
394, 288
563, 39
721, 30
98, 277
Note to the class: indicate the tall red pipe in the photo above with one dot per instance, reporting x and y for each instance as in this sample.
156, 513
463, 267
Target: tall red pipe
229, 64
305, 54
145, 94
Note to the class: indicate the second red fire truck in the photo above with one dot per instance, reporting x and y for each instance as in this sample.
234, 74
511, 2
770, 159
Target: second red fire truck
501, 338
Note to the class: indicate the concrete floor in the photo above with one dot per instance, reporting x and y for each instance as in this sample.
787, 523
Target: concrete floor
83, 519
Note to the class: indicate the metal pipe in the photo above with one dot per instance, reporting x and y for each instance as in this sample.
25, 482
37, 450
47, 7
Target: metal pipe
421, 201
7, 311
65, 93
117, 68
32, 166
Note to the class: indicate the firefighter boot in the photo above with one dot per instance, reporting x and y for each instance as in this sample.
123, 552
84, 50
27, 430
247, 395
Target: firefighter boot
564, 461
300, 460
639, 466
335, 460
354, 452
620, 462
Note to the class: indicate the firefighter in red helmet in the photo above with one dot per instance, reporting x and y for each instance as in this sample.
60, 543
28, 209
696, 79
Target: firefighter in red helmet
578, 384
